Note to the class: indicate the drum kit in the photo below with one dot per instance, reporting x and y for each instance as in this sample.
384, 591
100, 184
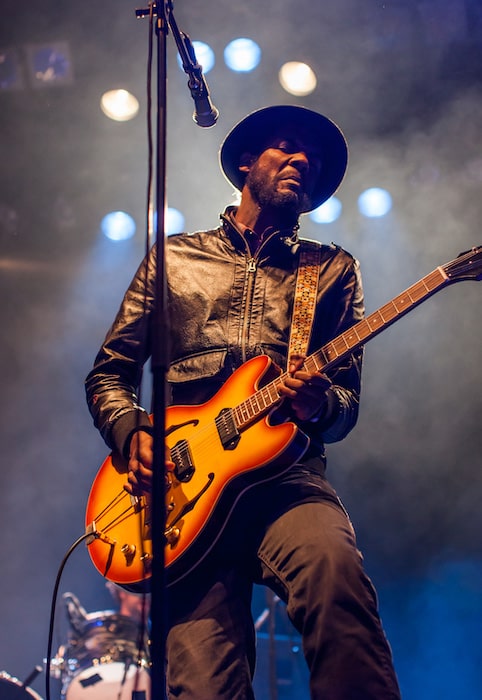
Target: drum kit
103, 659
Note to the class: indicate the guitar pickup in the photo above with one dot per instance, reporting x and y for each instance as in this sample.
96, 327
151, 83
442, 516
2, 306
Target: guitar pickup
227, 430
181, 456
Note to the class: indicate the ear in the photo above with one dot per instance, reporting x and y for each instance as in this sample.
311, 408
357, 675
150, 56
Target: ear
245, 162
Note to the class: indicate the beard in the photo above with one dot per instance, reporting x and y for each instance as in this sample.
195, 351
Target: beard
289, 202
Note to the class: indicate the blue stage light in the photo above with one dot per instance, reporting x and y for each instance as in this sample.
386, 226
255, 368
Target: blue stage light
118, 226
374, 202
242, 55
328, 212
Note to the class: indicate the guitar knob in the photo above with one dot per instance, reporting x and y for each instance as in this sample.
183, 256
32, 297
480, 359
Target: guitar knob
146, 559
172, 535
129, 551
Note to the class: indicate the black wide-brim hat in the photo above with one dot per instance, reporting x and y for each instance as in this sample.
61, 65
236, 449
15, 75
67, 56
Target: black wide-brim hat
251, 134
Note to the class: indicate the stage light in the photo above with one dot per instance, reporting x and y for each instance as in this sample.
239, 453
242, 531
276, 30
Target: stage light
10, 72
49, 64
204, 56
242, 55
174, 221
328, 212
374, 202
297, 78
118, 226
119, 105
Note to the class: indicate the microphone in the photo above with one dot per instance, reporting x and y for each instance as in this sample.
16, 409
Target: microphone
205, 113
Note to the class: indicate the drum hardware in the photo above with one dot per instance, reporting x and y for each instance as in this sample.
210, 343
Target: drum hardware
13, 689
102, 659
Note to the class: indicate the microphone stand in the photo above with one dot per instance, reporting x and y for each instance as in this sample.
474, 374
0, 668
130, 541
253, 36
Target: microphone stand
204, 115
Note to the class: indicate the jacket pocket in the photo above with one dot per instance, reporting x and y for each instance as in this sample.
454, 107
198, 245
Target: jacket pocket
203, 365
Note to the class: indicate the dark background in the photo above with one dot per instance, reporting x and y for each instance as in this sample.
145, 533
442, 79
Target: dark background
404, 81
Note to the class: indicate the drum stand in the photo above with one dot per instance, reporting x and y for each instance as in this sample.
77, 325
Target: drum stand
269, 614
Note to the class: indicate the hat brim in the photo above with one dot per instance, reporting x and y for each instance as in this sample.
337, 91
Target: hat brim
252, 132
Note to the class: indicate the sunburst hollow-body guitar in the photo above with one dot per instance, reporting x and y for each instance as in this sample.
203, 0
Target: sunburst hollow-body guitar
223, 447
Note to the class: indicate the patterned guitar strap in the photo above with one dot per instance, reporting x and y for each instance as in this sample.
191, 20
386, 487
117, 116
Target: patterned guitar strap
305, 298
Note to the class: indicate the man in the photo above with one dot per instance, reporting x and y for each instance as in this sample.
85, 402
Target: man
231, 295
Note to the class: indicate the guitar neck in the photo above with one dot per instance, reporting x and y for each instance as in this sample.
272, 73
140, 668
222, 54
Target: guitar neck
336, 350
266, 398
467, 266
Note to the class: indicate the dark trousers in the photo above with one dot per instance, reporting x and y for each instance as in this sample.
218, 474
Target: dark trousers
308, 557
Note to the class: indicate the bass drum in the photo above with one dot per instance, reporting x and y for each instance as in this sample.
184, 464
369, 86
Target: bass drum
103, 662
11, 689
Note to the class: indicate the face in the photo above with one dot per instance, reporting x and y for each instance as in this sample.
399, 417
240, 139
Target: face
284, 174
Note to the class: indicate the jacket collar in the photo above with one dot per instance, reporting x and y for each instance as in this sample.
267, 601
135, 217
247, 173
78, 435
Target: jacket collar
286, 237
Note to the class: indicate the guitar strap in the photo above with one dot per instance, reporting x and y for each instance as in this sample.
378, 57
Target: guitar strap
305, 298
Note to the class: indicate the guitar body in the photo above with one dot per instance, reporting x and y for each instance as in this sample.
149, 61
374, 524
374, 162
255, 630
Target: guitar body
198, 500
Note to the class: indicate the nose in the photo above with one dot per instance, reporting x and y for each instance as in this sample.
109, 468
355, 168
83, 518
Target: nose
300, 161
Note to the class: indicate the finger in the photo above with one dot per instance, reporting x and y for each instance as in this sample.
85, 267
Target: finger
295, 363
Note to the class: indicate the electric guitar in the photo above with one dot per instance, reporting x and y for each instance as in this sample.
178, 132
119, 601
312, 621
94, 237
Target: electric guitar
223, 447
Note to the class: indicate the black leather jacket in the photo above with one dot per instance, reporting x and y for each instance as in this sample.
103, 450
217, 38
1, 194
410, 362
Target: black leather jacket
225, 306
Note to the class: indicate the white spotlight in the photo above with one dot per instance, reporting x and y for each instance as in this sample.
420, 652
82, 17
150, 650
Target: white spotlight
297, 78
374, 202
118, 226
328, 212
242, 55
119, 105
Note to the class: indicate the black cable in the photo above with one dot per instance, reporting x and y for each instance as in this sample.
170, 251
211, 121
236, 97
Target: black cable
48, 660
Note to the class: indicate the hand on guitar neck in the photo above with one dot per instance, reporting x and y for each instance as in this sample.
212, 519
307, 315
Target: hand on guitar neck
307, 391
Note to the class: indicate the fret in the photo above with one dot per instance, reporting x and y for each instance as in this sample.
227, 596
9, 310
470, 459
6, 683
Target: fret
352, 336
342, 339
386, 312
424, 282
322, 355
400, 303
436, 278
244, 411
418, 291
251, 410
375, 320
330, 352
362, 329
311, 365
257, 399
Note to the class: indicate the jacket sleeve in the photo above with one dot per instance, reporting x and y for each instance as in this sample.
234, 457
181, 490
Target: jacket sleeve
112, 385
341, 413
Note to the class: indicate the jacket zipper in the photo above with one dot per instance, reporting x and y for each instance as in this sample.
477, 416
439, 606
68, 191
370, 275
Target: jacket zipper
250, 272
251, 267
